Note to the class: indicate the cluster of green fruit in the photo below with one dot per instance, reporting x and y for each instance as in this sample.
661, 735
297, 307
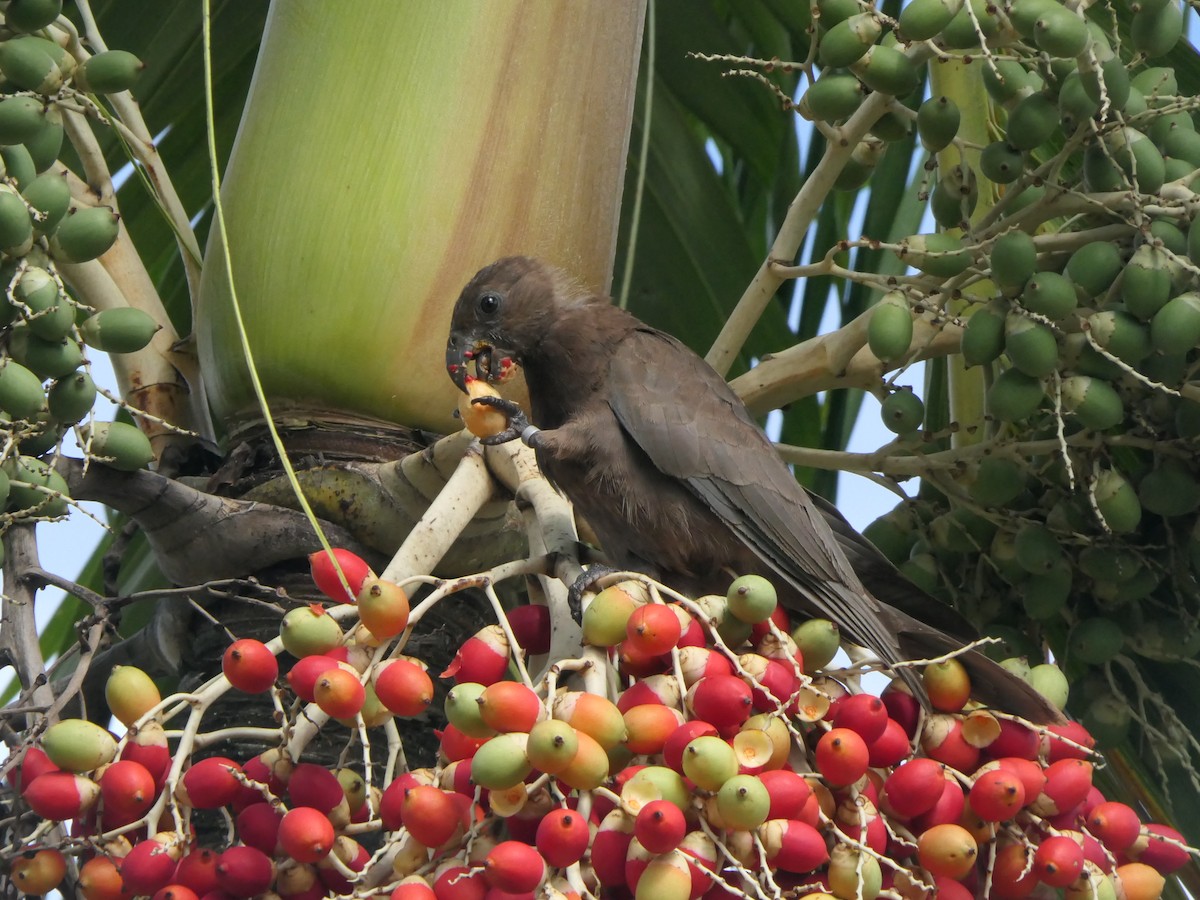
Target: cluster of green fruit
1071, 236
45, 385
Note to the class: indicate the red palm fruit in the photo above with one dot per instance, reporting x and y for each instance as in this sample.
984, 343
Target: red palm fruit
34, 763
514, 867
272, 768
947, 850
258, 826
841, 756
148, 746
353, 855
1068, 741
429, 814
35, 872
660, 826
653, 629
1067, 784
150, 865
693, 635
315, 786
793, 846
250, 666
210, 783
1160, 846
778, 618
725, 701
328, 567
175, 892
339, 692
662, 689
942, 739
863, 713
1015, 739
890, 747
1058, 860
245, 872
634, 663
699, 662
456, 745
391, 801
949, 807
306, 834
997, 795
383, 607
947, 684
1115, 824
562, 837
403, 687
593, 715
789, 792
679, 739
100, 879
530, 624
302, 678
902, 706
60, 796
776, 681
915, 786
413, 888
198, 870
649, 725
610, 846
1138, 881
1012, 875
456, 882
509, 706
483, 657
1032, 776
702, 856
128, 791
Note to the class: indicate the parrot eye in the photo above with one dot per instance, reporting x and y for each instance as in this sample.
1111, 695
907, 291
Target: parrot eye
489, 303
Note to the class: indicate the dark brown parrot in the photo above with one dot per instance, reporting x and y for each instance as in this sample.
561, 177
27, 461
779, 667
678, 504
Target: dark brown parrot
676, 479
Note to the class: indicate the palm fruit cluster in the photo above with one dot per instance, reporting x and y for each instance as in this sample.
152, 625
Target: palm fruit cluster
1069, 255
45, 384
714, 753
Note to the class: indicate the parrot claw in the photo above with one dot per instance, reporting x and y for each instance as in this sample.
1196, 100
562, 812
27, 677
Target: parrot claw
518, 424
586, 579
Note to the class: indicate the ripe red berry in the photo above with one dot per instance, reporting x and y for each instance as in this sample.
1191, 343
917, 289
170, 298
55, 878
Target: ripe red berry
250, 666
328, 571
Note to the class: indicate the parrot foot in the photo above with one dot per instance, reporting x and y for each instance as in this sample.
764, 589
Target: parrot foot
586, 579
518, 425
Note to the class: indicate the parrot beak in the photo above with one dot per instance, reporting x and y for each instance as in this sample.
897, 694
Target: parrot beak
460, 352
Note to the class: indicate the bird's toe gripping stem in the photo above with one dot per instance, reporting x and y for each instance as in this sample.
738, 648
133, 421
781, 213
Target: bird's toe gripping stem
518, 424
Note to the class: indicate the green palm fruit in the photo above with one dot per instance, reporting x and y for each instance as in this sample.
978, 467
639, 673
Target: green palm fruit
71, 398
1095, 640
85, 233
887, 70
1107, 719
27, 475
893, 534
119, 330
1164, 124
1146, 282
1117, 501
31, 15
1030, 345
864, 158
1109, 563
1136, 104
1092, 401
961, 32
45, 146
18, 164
1007, 80
4, 489
961, 531
1049, 294
1176, 327
1094, 267
890, 330
16, 228
891, 127
902, 411
1182, 171
983, 338
1156, 30
1121, 335
120, 445
1060, 32
1079, 356
51, 315
830, 12
1037, 547
1024, 14
834, 96
938, 254
1045, 595
1003, 554
937, 121
1156, 82
109, 72
46, 359
1172, 238
1138, 160
921, 20
1001, 163
1014, 396
1184, 145
848, 40
1165, 368
922, 570
1032, 121
1110, 79
21, 117
1193, 241
1075, 105
50, 196
35, 64
21, 394
955, 197
1013, 260
997, 481
1170, 489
